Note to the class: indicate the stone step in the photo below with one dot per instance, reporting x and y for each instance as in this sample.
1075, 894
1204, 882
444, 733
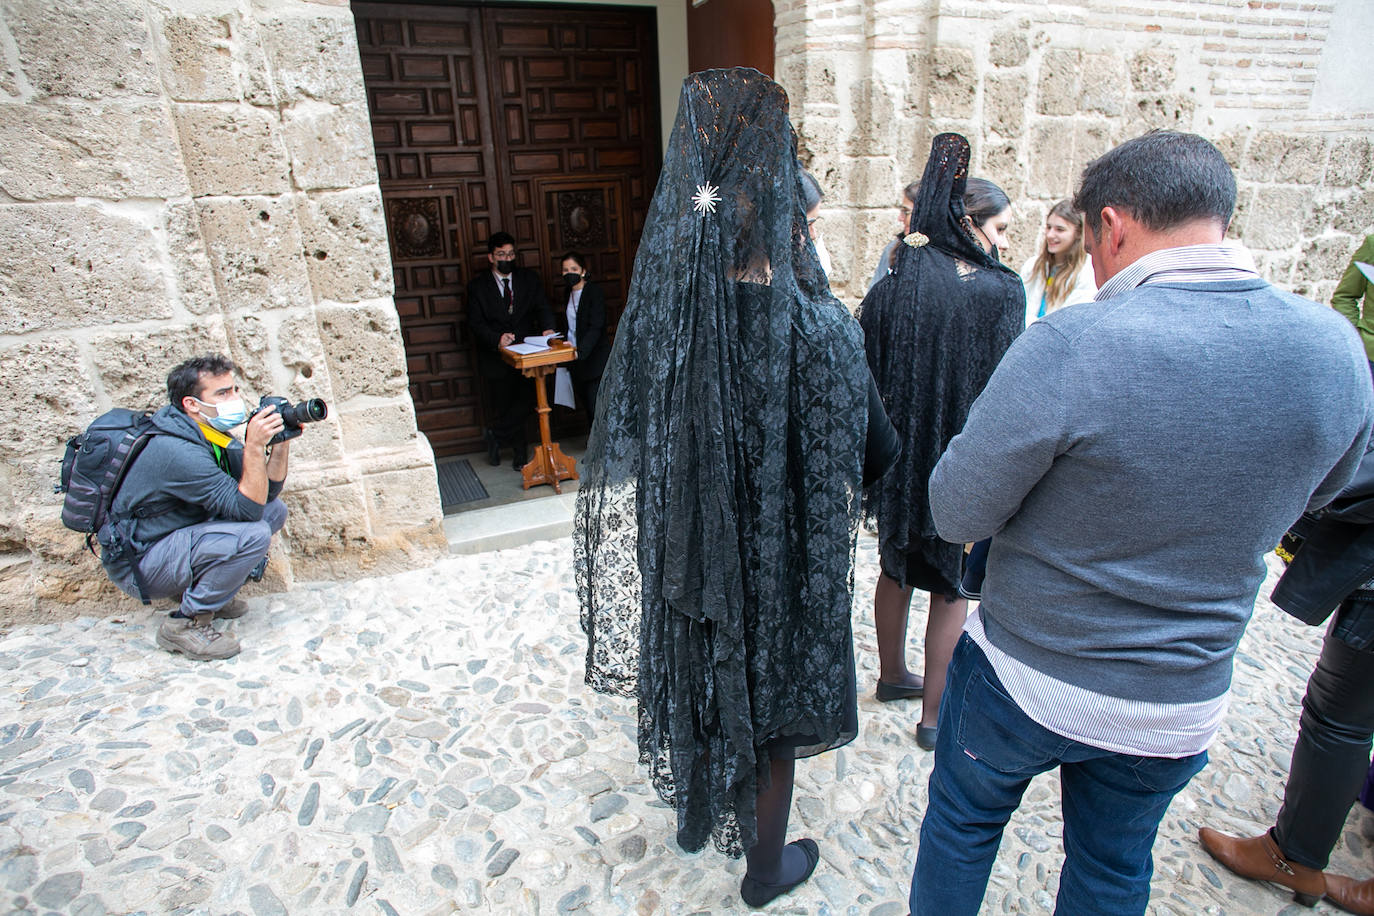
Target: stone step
511, 525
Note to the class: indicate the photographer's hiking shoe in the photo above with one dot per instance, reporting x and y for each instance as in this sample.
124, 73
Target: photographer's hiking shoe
234, 609
195, 638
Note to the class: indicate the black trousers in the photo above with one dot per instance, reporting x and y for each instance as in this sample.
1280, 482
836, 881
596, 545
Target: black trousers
1331, 757
512, 402
588, 392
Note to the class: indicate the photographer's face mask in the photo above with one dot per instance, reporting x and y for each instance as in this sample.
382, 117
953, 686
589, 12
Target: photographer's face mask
228, 414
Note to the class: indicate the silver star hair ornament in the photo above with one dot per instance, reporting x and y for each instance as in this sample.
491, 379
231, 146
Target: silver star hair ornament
705, 199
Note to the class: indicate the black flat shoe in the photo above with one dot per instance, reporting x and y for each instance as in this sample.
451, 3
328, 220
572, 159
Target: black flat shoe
926, 735
886, 692
757, 893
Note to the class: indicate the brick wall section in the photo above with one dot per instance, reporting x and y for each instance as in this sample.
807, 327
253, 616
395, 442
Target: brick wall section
1041, 89
176, 182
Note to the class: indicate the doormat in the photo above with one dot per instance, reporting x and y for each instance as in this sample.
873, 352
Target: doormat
458, 484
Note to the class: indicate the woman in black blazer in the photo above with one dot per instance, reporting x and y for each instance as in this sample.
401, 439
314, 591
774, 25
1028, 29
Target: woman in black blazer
585, 323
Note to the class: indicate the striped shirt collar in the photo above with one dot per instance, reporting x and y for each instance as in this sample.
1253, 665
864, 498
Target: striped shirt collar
1187, 264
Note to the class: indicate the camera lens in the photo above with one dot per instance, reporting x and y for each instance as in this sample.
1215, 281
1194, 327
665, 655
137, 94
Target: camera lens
309, 411
312, 410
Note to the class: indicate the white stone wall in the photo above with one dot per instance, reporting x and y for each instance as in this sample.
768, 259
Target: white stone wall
185, 176
1040, 88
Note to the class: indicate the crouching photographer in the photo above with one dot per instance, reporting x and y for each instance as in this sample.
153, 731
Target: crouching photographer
195, 515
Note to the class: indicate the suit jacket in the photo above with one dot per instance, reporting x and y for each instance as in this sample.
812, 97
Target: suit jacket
489, 319
593, 346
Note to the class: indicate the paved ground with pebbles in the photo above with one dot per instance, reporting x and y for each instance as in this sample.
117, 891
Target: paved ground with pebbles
423, 743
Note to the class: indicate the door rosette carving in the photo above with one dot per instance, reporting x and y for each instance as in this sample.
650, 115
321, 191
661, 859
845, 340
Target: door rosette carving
582, 219
416, 227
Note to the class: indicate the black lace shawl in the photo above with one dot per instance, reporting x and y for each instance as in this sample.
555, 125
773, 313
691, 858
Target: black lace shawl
934, 330
719, 500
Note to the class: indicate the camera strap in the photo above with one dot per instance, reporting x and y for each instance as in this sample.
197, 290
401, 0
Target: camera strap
218, 443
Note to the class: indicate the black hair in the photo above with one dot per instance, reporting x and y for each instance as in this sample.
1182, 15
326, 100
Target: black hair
1163, 179
185, 380
912, 191
811, 191
497, 239
574, 256
983, 200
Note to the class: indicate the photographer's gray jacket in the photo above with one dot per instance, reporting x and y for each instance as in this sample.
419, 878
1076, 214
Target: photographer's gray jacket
1134, 460
176, 482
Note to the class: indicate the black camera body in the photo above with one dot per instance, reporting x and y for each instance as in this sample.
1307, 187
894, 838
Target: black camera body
293, 416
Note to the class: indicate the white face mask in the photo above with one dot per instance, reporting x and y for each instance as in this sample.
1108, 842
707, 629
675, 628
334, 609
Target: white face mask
822, 254
228, 414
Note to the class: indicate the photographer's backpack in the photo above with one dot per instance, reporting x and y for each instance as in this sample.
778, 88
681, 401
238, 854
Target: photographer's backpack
96, 463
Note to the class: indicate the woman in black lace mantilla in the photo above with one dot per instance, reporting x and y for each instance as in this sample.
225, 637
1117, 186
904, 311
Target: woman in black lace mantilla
717, 513
934, 330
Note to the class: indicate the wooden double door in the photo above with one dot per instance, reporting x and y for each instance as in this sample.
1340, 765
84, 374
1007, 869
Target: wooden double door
538, 121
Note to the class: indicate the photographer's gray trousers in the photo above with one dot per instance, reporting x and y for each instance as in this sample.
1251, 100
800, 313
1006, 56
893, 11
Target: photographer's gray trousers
207, 564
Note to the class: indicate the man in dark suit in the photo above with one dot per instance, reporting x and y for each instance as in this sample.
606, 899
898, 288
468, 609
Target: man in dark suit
505, 305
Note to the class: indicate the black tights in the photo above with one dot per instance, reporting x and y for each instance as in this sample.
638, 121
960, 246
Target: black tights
770, 860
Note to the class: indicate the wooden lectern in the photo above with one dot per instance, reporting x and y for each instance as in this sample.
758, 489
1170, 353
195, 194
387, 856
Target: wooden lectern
549, 464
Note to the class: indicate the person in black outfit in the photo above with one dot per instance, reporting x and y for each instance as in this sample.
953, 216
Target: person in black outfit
934, 330
585, 325
717, 512
506, 305
1333, 570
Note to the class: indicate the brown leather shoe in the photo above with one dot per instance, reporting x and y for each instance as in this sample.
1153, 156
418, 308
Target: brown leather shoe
1259, 857
1351, 895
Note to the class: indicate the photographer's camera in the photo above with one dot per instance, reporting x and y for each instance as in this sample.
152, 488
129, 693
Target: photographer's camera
293, 416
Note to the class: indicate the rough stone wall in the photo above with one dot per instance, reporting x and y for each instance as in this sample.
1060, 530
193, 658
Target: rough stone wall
1042, 88
186, 176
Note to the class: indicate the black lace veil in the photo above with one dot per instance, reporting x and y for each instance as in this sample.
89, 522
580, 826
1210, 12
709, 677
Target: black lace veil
718, 505
934, 330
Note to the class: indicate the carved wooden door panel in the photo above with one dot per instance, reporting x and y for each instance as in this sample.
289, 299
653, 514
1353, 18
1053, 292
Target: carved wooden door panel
539, 122
427, 91
575, 94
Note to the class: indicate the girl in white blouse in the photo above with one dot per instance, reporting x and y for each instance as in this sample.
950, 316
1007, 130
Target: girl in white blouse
1062, 273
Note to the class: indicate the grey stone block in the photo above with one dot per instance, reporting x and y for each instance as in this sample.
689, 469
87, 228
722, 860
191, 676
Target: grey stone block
345, 242
254, 247
100, 265
232, 149
84, 50
111, 148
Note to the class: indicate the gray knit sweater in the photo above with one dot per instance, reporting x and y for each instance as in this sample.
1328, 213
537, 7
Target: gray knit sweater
1135, 459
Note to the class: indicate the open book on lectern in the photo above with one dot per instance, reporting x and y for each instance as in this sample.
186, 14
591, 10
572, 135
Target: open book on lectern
535, 344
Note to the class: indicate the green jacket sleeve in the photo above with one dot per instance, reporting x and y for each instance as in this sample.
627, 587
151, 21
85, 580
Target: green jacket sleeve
1354, 287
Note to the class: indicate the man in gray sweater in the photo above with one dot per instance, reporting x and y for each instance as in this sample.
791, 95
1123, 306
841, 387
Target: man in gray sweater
198, 508
1133, 460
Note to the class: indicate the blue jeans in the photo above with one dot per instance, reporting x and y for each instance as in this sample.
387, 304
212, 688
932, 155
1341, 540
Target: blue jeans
986, 754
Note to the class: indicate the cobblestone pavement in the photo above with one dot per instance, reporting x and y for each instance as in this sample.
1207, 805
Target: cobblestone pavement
423, 743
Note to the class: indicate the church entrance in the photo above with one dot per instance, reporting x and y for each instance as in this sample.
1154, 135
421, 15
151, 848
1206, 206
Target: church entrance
538, 121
